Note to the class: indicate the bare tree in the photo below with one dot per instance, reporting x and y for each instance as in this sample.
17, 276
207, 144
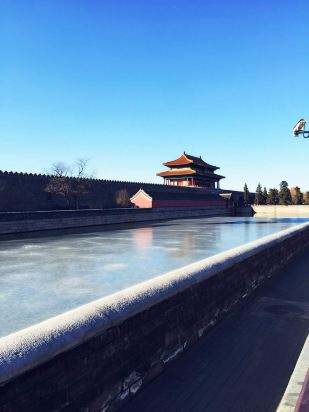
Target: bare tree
71, 182
81, 181
60, 169
81, 166
59, 186
122, 198
296, 195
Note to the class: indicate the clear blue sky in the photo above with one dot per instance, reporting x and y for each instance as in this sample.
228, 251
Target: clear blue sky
132, 83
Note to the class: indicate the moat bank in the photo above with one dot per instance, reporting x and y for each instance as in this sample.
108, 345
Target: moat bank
23, 222
281, 211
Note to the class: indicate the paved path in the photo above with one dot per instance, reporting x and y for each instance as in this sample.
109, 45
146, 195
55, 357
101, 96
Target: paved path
245, 363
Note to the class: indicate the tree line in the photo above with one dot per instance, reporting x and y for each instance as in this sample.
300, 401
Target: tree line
282, 196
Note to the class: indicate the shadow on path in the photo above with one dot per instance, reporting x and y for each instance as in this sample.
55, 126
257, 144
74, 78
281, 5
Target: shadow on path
245, 363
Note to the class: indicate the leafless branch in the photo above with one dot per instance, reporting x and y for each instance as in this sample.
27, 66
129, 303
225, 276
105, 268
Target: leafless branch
60, 169
81, 167
70, 189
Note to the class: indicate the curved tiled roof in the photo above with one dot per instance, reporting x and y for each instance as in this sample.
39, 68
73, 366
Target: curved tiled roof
188, 172
186, 159
179, 172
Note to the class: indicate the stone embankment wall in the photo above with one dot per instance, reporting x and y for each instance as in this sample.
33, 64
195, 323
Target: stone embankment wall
246, 211
20, 222
97, 356
282, 211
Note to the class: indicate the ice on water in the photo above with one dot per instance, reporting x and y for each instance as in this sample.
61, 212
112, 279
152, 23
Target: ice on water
45, 276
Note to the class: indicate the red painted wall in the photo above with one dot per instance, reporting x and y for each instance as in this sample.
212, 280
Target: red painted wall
142, 201
188, 203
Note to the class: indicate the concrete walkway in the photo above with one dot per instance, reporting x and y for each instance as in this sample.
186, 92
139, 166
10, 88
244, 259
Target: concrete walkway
245, 363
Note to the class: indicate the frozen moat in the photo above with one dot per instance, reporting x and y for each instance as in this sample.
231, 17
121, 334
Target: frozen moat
45, 276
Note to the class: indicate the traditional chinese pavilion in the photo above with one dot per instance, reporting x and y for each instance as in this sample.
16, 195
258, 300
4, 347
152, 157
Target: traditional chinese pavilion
190, 170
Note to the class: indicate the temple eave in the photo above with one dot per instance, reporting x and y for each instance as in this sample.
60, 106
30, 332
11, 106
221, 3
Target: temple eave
170, 173
219, 177
175, 175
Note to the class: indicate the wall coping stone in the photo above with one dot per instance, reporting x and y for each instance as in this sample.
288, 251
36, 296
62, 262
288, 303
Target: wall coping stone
101, 180
29, 347
59, 214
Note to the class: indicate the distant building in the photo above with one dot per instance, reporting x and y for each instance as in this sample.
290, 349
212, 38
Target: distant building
180, 199
192, 171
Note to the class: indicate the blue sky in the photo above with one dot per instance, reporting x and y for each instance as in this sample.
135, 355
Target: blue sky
132, 83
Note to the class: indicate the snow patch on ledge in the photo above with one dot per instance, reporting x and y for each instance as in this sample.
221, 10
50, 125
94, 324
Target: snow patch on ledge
27, 348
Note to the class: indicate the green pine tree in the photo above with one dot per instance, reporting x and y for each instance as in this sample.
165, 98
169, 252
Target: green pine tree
265, 196
273, 197
284, 194
246, 195
258, 200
